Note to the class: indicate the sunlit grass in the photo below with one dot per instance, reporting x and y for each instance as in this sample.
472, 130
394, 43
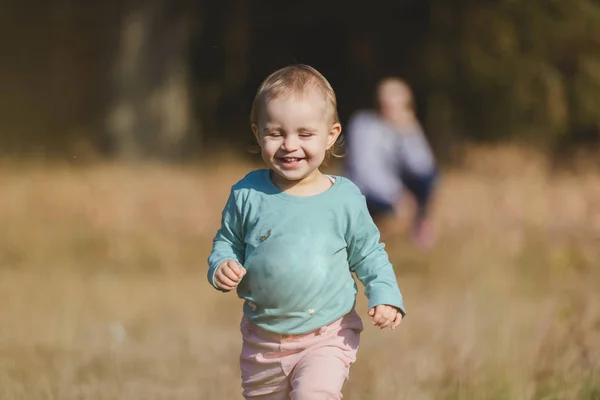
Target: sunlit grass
103, 292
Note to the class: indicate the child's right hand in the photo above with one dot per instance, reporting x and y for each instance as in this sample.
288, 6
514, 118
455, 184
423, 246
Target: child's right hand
229, 274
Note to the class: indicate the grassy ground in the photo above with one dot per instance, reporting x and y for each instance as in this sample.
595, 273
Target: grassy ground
103, 292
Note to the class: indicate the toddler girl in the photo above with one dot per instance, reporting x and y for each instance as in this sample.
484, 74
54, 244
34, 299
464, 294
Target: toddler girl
290, 239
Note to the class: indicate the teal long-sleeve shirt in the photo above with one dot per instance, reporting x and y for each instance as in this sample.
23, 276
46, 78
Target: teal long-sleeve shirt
300, 252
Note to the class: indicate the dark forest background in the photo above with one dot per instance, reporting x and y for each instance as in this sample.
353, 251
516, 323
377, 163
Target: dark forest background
173, 79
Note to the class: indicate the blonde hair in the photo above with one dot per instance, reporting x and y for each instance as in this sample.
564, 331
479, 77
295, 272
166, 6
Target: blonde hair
297, 79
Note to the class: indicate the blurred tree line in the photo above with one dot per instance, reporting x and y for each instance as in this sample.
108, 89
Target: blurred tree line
165, 79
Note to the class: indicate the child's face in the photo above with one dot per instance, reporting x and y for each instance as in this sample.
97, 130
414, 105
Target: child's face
294, 132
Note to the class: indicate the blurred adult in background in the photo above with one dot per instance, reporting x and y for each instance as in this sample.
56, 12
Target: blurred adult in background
387, 152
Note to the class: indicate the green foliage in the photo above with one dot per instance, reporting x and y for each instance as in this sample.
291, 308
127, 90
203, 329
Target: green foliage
485, 70
516, 69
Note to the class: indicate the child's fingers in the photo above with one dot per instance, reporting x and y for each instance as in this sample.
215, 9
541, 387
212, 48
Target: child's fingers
397, 320
225, 287
237, 268
231, 274
389, 314
225, 284
387, 321
222, 285
223, 281
372, 312
383, 325
378, 317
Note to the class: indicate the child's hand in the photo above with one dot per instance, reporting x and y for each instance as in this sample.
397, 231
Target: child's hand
384, 316
229, 274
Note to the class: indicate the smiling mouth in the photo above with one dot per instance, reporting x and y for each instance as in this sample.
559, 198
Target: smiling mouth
290, 160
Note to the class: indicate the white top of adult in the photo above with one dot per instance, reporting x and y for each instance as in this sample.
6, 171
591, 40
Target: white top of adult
377, 154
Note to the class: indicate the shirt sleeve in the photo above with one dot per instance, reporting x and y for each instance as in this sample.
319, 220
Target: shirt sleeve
417, 156
228, 243
370, 262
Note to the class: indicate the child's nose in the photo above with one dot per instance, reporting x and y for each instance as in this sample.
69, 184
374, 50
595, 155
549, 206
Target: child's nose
290, 142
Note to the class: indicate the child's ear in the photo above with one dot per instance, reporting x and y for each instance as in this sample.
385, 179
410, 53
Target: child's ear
256, 133
333, 134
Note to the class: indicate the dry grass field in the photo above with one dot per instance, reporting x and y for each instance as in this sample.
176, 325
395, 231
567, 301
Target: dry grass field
103, 291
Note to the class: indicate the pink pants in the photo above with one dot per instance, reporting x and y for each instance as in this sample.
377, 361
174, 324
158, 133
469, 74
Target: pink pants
300, 367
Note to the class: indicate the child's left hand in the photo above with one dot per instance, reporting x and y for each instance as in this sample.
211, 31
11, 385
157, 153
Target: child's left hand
385, 315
